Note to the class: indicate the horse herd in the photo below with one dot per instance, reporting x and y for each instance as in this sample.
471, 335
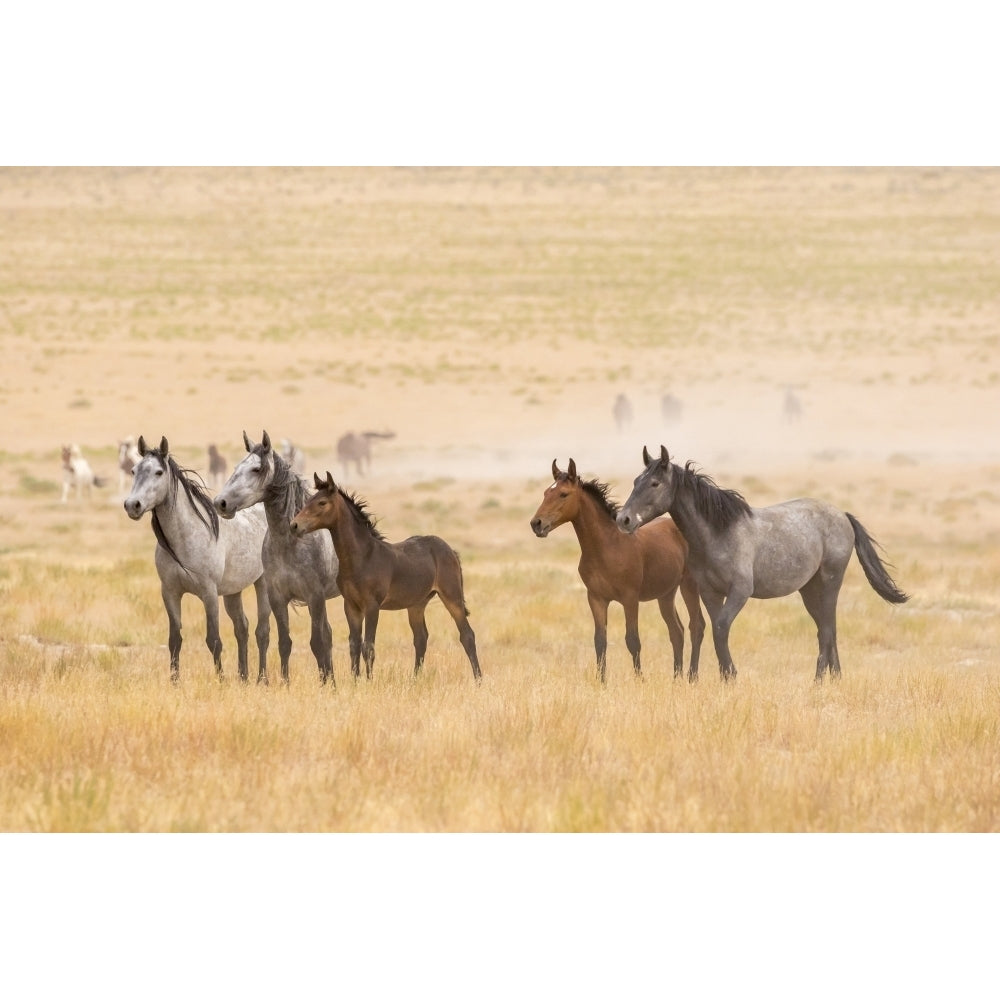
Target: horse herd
265, 528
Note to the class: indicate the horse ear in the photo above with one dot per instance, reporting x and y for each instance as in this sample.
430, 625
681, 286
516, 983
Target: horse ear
246, 442
266, 442
555, 470
571, 471
664, 457
142, 446
164, 447
646, 460
329, 484
319, 482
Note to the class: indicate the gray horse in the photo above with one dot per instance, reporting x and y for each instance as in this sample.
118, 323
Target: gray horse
299, 569
736, 551
195, 554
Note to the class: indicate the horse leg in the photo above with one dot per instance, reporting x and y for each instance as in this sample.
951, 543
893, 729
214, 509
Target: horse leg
354, 619
234, 608
321, 641
722, 611
212, 637
172, 603
455, 603
696, 621
668, 611
819, 596
418, 626
279, 607
368, 646
599, 609
632, 643
262, 633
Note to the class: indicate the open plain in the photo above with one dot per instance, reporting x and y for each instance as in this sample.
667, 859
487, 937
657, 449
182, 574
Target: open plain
489, 319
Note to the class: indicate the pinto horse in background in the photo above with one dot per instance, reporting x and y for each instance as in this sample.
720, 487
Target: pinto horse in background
647, 566
77, 473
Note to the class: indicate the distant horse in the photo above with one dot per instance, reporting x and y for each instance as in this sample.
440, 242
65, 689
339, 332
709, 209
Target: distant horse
216, 467
77, 473
297, 569
646, 566
792, 407
196, 554
375, 574
128, 459
736, 551
671, 409
294, 457
357, 448
622, 411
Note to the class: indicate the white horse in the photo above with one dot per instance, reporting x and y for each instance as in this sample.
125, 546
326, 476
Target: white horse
77, 473
198, 554
128, 459
294, 456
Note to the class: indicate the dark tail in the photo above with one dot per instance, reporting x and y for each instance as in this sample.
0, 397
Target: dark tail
874, 568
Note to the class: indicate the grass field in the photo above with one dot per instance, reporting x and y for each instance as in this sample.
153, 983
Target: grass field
489, 318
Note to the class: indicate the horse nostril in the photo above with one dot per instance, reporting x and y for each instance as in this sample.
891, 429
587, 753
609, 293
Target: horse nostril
221, 504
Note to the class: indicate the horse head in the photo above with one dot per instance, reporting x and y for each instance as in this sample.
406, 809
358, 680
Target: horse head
561, 501
652, 492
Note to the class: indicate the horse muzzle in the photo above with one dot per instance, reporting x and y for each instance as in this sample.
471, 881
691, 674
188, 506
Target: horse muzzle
627, 523
540, 529
225, 508
134, 509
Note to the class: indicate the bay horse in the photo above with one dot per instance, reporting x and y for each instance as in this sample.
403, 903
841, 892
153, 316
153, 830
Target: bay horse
77, 473
298, 569
196, 554
736, 551
376, 575
649, 565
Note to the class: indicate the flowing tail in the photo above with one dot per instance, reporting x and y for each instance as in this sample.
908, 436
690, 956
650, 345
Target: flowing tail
874, 568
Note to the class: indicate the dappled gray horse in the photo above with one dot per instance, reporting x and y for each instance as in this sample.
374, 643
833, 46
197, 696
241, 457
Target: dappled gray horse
736, 551
297, 568
197, 554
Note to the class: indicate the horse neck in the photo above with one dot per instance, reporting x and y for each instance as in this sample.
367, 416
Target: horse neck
180, 523
697, 532
352, 541
595, 529
279, 510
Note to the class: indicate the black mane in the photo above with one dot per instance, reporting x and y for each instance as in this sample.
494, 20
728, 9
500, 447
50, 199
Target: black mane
720, 508
359, 509
601, 492
286, 487
197, 495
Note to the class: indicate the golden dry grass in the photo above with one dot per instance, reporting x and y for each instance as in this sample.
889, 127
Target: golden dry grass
489, 318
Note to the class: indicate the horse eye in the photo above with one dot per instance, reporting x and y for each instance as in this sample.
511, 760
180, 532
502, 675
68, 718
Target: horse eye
655, 483
159, 472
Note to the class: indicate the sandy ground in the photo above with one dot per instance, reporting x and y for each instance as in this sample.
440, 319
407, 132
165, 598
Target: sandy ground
475, 315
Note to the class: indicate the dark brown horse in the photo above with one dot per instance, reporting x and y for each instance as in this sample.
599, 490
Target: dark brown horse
650, 565
375, 574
